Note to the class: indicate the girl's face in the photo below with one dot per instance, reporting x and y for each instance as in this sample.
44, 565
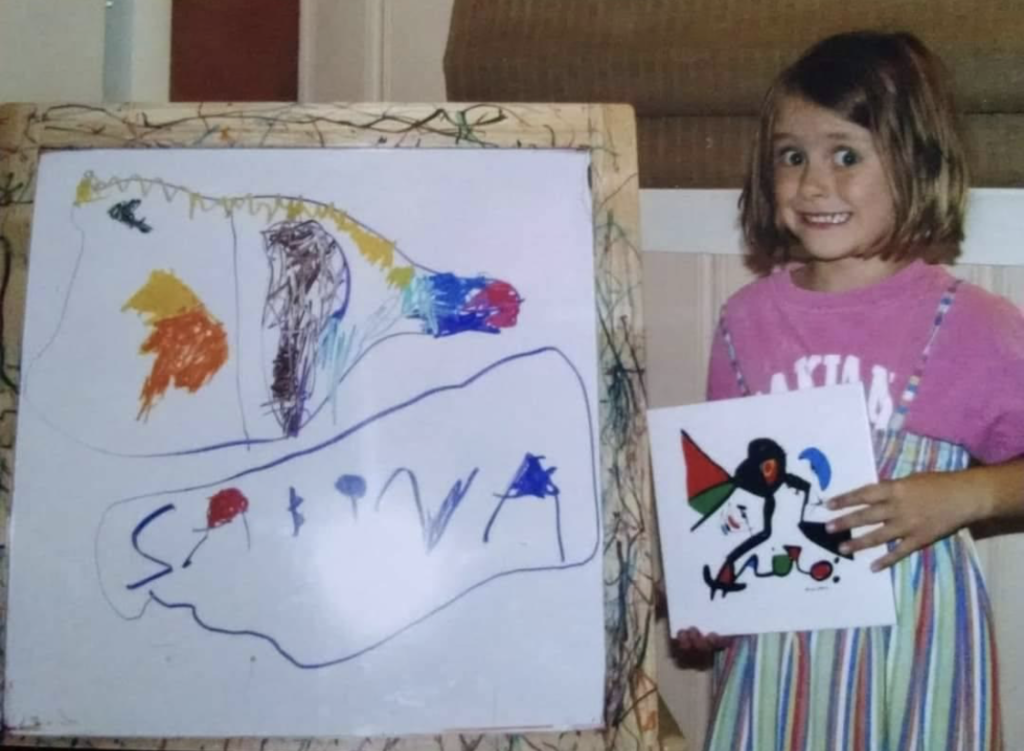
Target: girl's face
831, 190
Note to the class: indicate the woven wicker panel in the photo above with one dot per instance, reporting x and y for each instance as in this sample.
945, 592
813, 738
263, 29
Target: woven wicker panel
709, 57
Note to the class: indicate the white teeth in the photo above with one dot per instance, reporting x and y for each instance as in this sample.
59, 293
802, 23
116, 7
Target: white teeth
838, 218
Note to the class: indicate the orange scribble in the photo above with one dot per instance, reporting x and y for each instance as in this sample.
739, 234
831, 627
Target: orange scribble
190, 348
190, 344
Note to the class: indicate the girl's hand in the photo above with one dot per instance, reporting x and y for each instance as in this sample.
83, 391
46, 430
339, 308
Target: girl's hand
916, 511
693, 649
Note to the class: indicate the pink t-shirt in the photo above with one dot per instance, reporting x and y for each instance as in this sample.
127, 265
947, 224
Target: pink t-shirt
972, 389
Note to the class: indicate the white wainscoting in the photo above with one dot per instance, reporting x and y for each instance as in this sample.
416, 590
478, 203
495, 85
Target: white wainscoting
51, 50
705, 221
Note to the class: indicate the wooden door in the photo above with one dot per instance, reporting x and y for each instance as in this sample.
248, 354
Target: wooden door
235, 50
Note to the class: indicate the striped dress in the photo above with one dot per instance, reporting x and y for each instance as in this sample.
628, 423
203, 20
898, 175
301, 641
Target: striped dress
926, 684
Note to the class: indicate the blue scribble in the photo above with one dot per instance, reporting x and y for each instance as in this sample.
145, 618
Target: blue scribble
167, 568
432, 527
819, 465
294, 501
437, 525
415, 495
353, 486
333, 354
531, 479
442, 302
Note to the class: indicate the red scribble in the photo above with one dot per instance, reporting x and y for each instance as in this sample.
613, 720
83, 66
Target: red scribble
190, 348
502, 299
821, 571
225, 505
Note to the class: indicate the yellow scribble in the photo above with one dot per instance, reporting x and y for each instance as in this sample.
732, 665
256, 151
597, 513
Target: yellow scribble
376, 249
401, 276
162, 296
230, 204
83, 194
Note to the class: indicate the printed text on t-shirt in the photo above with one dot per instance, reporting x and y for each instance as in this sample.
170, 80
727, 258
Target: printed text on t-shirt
828, 370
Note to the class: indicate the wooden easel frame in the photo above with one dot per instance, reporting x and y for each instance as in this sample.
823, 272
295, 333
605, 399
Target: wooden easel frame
607, 132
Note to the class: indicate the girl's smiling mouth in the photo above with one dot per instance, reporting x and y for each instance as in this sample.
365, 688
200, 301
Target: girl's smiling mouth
824, 220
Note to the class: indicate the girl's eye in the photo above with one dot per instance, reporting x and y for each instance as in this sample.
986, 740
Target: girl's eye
791, 157
845, 157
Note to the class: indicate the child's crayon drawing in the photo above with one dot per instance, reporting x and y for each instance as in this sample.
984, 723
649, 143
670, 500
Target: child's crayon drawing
301, 452
336, 290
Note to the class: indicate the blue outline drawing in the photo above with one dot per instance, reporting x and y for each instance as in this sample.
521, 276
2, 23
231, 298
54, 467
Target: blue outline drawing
531, 478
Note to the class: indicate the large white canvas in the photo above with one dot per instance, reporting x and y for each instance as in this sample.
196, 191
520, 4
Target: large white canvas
418, 545
726, 571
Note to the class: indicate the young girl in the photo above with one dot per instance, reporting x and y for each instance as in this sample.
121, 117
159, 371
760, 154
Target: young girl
855, 192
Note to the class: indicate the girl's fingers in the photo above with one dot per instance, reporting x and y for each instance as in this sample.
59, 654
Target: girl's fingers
699, 641
681, 639
876, 514
719, 642
707, 643
872, 539
692, 640
863, 496
685, 639
898, 553
864, 542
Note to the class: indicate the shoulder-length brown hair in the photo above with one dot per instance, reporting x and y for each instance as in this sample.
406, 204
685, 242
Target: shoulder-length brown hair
892, 85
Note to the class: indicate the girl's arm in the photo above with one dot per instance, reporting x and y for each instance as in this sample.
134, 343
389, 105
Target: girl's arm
922, 508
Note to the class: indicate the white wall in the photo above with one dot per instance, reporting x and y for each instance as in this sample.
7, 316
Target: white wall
373, 50
85, 50
138, 51
51, 50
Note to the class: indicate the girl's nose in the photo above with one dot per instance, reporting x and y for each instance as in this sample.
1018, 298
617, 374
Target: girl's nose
816, 180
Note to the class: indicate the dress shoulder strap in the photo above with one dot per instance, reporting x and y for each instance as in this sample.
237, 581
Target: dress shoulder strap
723, 331
914, 382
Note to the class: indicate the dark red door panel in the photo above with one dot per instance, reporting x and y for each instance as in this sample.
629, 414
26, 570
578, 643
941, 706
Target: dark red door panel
235, 50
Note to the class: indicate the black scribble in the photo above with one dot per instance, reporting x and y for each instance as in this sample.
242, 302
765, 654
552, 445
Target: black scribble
124, 213
309, 285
